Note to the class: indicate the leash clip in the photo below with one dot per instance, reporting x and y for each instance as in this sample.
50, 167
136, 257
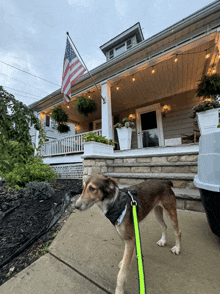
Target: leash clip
133, 202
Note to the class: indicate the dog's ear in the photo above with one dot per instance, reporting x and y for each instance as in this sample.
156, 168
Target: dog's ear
110, 184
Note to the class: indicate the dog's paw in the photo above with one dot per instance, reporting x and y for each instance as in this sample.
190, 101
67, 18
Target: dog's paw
161, 243
175, 250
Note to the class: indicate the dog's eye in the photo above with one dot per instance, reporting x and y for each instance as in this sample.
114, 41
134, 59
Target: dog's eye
92, 189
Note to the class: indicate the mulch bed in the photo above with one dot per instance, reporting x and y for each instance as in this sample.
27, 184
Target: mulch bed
23, 220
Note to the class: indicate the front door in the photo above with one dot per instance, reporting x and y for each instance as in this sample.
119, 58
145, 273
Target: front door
149, 126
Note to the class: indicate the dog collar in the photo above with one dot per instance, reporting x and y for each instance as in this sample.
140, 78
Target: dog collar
116, 211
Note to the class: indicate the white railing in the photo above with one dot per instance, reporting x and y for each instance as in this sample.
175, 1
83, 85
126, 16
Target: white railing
71, 144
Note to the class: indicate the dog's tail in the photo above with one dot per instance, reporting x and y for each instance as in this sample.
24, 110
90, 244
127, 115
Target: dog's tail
170, 183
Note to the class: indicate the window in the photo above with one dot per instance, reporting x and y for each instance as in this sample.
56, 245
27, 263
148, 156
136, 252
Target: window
120, 49
111, 54
129, 44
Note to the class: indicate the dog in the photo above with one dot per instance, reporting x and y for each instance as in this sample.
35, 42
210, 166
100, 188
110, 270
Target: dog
116, 205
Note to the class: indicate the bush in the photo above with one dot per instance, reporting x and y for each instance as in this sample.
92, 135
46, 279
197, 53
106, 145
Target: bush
12, 153
39, 190
32, 171
95, 138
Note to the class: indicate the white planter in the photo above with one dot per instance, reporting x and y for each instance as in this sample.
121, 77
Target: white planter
96, 148
124, 137
208, 120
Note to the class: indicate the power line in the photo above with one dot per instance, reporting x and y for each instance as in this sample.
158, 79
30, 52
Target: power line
26, 97
23, 92
29, 73
20, 81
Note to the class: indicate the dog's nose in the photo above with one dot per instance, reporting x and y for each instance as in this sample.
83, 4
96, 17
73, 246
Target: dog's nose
77, 206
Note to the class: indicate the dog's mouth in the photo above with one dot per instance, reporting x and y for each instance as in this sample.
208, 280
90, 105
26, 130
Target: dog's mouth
82, 206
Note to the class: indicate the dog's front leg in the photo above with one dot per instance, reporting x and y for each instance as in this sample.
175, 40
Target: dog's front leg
124, 266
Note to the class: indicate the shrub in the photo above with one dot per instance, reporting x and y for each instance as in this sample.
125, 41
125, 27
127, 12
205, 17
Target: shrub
95, 138
32, 171
39, 190
203, 106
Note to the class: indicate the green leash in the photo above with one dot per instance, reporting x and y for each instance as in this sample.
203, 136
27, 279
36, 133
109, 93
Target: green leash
138, 245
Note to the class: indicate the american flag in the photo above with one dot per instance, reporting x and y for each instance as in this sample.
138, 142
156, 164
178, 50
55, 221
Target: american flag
72, 70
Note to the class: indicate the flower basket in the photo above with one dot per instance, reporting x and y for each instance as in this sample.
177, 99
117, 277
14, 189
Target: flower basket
85, 106
97, 148
95, 145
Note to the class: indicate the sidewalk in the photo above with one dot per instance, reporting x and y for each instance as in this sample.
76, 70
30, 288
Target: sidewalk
84, 258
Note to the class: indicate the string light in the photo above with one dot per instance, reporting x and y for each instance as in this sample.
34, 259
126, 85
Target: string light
68, 106
117, 87
176, 59
207, 54
213, 70
133, 79
153, 70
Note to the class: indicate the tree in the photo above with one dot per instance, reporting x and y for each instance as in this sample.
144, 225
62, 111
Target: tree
14, 126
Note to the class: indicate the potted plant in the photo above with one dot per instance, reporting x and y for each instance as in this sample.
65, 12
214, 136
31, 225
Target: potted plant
61, 118
208, 111
95, 144
124, 130
85, 106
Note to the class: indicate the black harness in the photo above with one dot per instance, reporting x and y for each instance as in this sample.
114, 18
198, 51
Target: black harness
115, 210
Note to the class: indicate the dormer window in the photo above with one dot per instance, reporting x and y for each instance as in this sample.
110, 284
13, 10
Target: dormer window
111, 54
121, 48
123, 42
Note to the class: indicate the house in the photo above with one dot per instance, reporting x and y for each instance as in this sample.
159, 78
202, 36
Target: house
153, 82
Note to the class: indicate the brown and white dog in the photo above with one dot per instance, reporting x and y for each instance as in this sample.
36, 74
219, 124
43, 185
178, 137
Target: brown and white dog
115, 204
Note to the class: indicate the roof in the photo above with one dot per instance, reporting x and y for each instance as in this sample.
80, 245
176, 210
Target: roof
135, 30
200, 23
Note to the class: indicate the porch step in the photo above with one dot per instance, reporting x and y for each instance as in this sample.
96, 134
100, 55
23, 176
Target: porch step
185, 198
179, 180
165, 167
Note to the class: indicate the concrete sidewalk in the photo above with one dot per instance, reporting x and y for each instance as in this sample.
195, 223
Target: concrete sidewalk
84, 258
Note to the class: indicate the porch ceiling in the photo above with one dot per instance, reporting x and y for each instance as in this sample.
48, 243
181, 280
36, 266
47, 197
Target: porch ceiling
170, 78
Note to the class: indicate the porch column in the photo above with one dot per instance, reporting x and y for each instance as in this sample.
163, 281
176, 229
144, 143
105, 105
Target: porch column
106, 111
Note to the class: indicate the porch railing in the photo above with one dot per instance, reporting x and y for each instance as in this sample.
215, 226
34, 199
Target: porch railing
71, 144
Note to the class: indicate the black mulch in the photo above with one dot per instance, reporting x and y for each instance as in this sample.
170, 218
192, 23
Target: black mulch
25, 220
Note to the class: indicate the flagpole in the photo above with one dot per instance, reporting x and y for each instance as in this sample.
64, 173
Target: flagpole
86, 68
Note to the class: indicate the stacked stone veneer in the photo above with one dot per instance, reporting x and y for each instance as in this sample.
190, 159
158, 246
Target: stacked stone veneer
179, 168
68, 171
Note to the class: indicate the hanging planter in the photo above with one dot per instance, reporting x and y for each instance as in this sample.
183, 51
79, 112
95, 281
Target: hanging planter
85, 106
61, 118
209, 87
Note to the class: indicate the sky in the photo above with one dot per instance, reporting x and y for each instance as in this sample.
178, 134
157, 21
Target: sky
33, 35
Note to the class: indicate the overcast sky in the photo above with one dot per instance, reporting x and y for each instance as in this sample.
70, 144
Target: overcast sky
33, 35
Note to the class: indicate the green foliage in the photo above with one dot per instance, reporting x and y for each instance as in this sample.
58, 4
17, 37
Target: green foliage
85, 105
60, 117
125, 123
95, 138
32, 171
218, 126
205, 105
9, 156
209, 86
63, 128
14, 126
